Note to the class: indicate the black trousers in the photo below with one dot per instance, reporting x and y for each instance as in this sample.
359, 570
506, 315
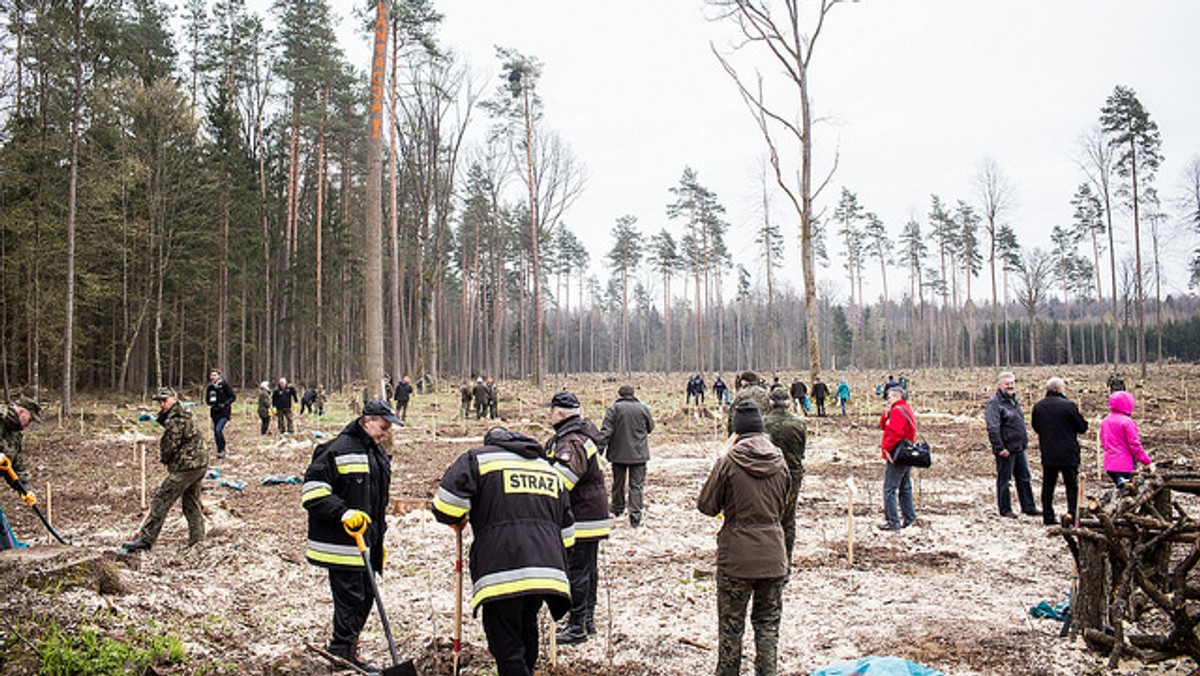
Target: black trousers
1070, 477
583, 575
512, 633
352, 599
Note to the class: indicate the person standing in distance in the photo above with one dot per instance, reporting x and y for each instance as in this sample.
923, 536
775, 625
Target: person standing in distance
346, 487
404, 390
1009, 439
897, 424
573, 453
182, 450
282, 399
1058, 424
624, 441
520, 514
264, 406
748, 486
219, 396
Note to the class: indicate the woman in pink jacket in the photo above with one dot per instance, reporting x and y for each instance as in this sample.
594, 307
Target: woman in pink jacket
1119, 436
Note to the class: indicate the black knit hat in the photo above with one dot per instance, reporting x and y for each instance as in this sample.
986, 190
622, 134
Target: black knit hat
564, 399
747, 418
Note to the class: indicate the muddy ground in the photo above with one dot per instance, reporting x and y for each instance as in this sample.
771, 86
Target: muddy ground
953, 592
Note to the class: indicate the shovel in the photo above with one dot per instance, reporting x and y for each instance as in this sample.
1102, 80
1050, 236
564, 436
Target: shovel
458, 602
398, 668
7, 468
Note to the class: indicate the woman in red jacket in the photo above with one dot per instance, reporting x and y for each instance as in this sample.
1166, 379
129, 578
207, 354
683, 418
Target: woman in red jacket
897, 423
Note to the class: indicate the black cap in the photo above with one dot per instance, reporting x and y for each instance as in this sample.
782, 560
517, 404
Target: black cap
625, 391
381, 409
748, 377
564, 399
747, 418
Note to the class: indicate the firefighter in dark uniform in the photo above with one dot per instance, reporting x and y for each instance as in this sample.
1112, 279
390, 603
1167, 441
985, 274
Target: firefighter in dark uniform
520, 513
345, 486
573, 451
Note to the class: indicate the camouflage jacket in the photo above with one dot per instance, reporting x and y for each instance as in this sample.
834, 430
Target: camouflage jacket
181, 446
790, 434
11, 440
756, 392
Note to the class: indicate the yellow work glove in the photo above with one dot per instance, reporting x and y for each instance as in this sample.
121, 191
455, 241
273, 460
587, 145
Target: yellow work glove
355, 519
29, 498
384, 561
272, 411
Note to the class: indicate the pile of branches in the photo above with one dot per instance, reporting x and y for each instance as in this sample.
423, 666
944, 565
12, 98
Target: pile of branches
1135, 551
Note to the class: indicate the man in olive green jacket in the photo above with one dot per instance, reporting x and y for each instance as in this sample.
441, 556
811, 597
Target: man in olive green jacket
182, 450
789, 433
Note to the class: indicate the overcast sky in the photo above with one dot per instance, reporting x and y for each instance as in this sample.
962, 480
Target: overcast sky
913, 96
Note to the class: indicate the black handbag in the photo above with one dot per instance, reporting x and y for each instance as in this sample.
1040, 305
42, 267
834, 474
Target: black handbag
912, 454
907, 453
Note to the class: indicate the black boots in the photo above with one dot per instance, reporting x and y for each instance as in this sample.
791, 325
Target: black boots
571, 634
136, 545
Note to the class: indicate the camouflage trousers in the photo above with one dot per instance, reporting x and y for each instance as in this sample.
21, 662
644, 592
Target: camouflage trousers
182, 485
789, 514
733, 596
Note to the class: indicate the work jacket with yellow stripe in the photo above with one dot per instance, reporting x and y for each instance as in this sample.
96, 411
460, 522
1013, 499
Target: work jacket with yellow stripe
350, 472
574, 453
520, 514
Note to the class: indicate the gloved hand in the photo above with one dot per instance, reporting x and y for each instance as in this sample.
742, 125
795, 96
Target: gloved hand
29, 498
355, 519
385, 554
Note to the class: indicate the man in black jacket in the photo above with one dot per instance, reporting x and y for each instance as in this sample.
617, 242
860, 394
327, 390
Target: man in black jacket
1058, 424
574, 454
282, 399
346, 486
404, 390
219, 396
1009, 439
623, 439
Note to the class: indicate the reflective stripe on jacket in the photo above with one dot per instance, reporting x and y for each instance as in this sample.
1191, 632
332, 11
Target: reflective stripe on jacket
349, 472
520, 516
574, 454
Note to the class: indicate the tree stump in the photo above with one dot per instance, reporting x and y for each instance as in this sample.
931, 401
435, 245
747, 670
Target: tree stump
1089, 608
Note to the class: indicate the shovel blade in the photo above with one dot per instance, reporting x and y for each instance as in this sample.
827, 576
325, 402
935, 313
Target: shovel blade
405, 668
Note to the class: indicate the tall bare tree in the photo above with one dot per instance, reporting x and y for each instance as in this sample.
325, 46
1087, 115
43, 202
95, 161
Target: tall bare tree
1097, 164
996, 196
782, 30
1034, 274
373, 221
1135, 139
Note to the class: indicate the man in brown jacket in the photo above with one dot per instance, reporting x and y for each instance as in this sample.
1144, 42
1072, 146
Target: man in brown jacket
749, 486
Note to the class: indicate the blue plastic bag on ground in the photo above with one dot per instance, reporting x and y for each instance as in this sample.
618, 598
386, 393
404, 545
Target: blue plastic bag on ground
877, 666
1056, 612
279, 479
235, 484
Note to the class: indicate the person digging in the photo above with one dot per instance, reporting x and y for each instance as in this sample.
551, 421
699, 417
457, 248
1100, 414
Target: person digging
182, 450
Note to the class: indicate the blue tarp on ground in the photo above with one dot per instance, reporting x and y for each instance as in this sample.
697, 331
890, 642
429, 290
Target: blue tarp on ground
8, 540
877, 666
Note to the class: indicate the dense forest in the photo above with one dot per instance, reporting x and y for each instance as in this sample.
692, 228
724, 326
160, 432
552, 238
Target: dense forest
178, 199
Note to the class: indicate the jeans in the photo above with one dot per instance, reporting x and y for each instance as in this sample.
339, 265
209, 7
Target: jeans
637, 479
898, 479
1007, 469
1070, 476
219, 433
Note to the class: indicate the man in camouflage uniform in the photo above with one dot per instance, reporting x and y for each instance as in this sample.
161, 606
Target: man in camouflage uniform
789, 433
748, 387
493, 398
182, 450
14, 420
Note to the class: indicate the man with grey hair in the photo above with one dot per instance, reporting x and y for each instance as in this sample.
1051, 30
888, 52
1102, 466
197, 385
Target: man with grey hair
1058, 424
1008, 438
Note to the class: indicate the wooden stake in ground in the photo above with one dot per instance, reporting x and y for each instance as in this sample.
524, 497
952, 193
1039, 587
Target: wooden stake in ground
851, 492
49, 503
142, 453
